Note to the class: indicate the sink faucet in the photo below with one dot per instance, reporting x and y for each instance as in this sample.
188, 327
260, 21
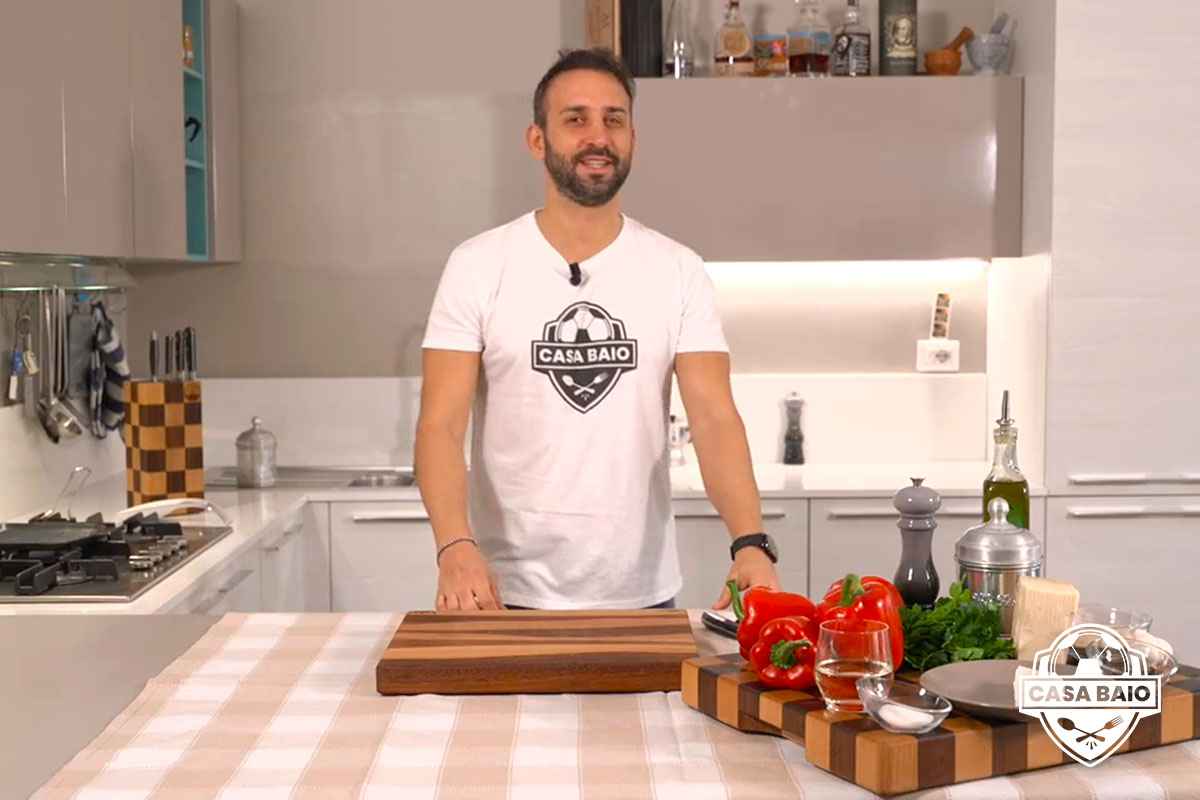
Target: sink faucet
678, 436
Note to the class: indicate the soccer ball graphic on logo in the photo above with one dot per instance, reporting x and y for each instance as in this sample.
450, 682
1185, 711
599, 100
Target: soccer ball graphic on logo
584, 326
1091, 653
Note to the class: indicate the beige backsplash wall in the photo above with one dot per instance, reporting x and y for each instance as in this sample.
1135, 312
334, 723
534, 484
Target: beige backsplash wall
369, 152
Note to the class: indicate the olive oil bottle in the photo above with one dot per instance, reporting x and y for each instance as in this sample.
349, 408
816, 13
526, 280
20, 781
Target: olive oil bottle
1005, 480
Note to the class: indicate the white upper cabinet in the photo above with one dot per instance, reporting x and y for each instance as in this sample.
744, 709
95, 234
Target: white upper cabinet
33, 203
1124, 372
156, 80
93, 150
762, 169
99, 155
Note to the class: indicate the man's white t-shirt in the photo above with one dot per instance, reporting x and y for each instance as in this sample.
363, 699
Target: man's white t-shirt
569, 486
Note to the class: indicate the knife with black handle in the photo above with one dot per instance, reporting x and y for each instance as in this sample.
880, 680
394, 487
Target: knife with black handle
189, 349
719, 624
180, 370
168, 358
154, 356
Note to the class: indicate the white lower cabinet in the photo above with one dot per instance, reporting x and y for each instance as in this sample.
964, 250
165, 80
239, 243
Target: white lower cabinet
295, 562
860, 535
703, 543
1140, 553
381, 557
236, 585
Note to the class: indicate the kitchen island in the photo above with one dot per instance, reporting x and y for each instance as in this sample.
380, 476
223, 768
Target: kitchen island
273, 705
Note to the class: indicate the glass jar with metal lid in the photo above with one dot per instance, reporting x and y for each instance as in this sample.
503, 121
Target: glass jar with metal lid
256, 456
992, 557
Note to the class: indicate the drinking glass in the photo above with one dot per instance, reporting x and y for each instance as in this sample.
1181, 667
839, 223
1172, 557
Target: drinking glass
846, 651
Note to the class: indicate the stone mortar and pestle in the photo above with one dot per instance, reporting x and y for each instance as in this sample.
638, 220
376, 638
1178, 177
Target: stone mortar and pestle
989, 52
948, 60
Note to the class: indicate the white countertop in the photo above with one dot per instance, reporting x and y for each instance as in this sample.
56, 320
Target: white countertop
250, 514
253, 511
948, 478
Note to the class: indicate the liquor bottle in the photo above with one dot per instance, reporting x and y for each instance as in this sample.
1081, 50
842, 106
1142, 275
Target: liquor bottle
642, 37
734, 50
852, 44
810, 41
679, 54
897, 37
1005, 480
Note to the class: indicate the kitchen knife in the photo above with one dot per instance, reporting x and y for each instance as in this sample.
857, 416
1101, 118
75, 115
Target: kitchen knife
195, 358
720, 624
168, 357
185, 367
154, 356
189, 350
179, 368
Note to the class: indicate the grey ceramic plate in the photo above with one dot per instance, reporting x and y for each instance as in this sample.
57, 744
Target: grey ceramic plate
977, 688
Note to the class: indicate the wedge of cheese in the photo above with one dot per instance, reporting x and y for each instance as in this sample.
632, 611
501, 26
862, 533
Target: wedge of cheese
1043, 609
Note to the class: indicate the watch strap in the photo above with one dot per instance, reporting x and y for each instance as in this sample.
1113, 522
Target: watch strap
759, 540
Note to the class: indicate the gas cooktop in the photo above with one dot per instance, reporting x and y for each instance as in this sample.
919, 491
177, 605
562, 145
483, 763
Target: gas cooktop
57, 560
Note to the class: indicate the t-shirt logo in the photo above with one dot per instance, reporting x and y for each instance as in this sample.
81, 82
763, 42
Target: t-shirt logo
584, 351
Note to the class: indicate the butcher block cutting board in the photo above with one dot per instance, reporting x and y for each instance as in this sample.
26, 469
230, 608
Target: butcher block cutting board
962, 749
525, 652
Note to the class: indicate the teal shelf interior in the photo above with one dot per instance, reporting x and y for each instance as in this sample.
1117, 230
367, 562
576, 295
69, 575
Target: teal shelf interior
193, 14
197, 212
194, 106
195, 149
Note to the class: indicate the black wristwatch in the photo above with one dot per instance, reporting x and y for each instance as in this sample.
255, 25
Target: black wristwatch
763, 541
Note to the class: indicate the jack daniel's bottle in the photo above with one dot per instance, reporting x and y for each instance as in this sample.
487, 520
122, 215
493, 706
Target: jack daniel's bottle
852, 44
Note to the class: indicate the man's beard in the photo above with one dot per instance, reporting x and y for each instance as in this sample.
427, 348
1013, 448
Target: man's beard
586, 191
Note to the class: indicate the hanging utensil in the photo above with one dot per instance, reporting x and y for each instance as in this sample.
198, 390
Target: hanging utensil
57, 419
76, 418
45, 405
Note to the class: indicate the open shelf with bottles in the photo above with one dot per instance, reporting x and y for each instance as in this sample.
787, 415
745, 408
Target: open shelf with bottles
196, 126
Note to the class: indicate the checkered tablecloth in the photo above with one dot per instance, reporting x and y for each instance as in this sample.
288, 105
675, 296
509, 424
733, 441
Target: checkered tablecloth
278, 705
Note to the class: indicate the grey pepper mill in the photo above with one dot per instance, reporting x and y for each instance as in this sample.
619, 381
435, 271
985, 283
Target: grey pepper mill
916, 578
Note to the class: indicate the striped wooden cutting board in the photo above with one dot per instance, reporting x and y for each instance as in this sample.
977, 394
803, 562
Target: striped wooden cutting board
962, 749
517, 652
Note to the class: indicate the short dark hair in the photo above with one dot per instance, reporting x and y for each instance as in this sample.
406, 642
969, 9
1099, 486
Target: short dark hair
599, 59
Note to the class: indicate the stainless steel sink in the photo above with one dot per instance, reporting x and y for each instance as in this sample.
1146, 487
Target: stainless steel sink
390, 479
300, 477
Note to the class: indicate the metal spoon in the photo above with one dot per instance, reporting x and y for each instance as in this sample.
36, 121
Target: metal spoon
58, 419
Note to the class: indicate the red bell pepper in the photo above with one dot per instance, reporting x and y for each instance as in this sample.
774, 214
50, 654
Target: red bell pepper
784, 655
867, 598
759, 606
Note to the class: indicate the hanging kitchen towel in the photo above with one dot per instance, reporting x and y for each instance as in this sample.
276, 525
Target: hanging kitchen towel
111, 406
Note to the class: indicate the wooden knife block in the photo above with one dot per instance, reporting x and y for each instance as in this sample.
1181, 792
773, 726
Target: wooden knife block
164, 441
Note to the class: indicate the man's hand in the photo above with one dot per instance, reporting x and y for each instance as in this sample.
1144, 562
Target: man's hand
464, 581
751, 567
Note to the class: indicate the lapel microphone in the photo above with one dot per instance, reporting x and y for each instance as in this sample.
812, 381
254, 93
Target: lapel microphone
576, 275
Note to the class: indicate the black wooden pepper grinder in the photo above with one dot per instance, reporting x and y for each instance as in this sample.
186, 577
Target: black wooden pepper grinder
916, 578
